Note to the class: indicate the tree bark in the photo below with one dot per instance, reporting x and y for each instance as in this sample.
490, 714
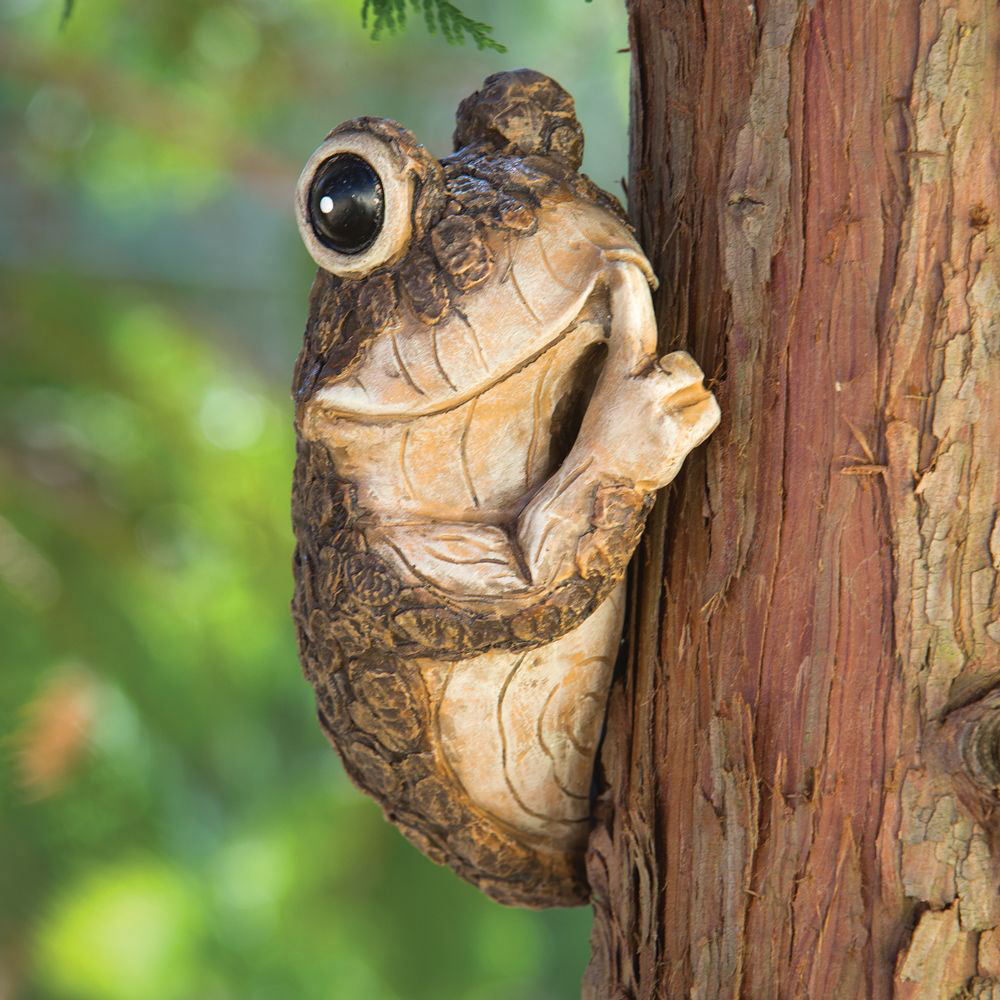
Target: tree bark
802, 758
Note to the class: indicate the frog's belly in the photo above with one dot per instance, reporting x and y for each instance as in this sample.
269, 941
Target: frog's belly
519, 731
475, 462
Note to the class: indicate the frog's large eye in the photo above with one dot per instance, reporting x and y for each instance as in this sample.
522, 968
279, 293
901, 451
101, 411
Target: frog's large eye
346, 204
354, 202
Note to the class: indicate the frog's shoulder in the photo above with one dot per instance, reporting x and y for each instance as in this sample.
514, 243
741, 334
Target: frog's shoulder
504, 209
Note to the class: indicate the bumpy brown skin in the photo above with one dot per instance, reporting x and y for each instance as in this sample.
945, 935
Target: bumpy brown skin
359, 625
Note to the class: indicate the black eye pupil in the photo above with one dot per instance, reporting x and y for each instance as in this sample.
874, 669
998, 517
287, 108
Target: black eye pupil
346, 204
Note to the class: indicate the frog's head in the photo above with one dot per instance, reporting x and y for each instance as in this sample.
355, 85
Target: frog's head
437, 279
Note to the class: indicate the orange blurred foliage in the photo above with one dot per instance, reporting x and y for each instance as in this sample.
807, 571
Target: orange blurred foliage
56, 731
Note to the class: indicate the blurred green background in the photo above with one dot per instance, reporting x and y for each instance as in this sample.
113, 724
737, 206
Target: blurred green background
172, 821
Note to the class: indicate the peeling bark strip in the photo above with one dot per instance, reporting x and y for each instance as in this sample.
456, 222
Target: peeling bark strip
802, 760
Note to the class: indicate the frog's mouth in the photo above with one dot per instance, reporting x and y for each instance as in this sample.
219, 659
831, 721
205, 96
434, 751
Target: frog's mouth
417, 371
395, 386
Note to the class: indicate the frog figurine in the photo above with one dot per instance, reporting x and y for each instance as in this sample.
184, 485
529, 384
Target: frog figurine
483, 423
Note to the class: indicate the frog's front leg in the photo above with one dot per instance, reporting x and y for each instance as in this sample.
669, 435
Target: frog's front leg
644, 418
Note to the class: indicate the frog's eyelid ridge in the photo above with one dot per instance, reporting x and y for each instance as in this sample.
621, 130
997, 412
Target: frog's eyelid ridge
397, 186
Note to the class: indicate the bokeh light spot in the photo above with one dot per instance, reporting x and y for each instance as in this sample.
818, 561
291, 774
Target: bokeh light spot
226, 38
58, 117
230, 417
124, 932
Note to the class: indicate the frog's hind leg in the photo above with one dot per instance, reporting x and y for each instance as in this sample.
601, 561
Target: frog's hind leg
519, 730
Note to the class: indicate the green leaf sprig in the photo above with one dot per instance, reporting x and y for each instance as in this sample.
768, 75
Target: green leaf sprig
439, 15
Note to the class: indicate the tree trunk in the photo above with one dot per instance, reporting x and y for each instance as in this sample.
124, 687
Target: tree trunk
803, 756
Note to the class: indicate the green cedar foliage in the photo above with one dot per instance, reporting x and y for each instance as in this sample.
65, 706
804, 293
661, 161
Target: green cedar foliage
438, 15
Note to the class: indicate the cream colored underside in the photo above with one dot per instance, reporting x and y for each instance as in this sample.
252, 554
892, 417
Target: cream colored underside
519, 730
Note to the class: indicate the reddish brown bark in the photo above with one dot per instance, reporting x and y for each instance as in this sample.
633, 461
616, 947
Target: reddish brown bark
801, 757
